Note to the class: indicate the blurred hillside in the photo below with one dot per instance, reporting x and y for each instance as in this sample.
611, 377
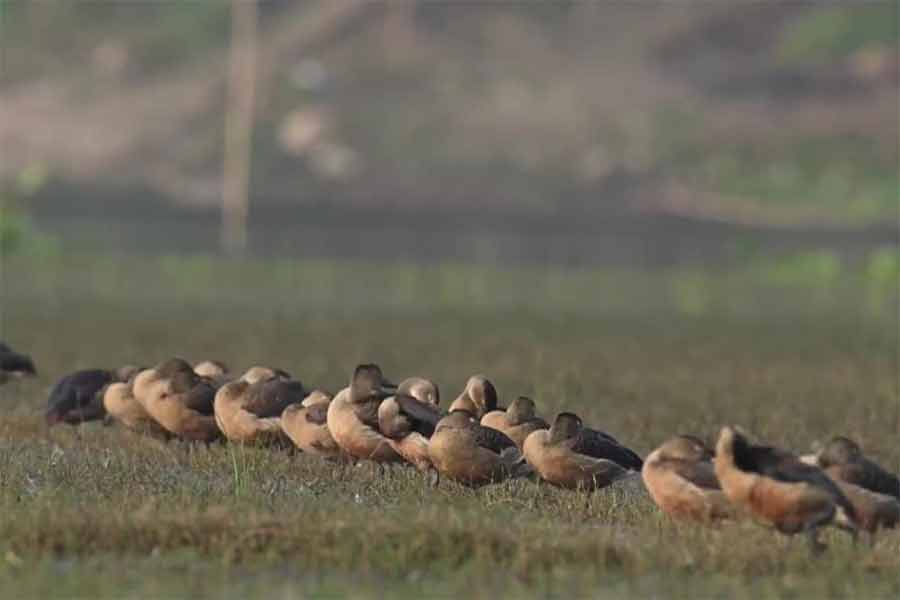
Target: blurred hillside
775, 114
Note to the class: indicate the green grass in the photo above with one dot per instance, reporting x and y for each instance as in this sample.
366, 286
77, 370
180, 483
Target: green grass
98, 512
831, 33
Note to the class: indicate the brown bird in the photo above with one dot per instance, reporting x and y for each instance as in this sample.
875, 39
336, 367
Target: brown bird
353, 416
78, 397
479, 397
681, 479
409, 423
179, 400
306, 424
844, 460
517, 421
420, 388
573, 456
250, 413
874, 511
775, 487
122, 407
464, 451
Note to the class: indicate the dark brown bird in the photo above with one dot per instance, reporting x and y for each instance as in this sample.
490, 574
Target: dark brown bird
14, 365
681, 479
775, 487
78, 397
517, 421
843, 460
573, 456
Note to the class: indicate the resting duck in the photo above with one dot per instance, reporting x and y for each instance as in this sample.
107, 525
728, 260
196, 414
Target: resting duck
464, 451
306, 424
122, 407
14, 365
573, 456
681, 479
478, 398
250, 413
213, 369
259, 373
353, 416
78, 397
775, 487
408, 423
843, 460
517, 421
179, 400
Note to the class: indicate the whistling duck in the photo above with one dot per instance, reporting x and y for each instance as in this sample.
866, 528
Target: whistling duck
775, 487
479, 397
409, 422
78, 397
213, 369
353, 416
306, 424
517, 421
121, 405
844, 460
250, 413
573, 456
258, 373
681, 479
179, 400
14, 365
464, 451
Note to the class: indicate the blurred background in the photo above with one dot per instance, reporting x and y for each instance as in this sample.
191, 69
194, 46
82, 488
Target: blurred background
732, 157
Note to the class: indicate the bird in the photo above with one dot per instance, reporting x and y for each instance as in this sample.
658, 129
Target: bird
517, 421
179, 400
465, 451
573, 456
408, 422
874, 511
213, 369
479, 397
421, 389
306, 424
681, 479
353, 416
78, 397
775, 487
843, 460
260, 373
250, 413
14, 365
122, 407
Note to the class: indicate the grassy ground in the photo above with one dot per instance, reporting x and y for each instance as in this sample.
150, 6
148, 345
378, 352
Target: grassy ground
95, 511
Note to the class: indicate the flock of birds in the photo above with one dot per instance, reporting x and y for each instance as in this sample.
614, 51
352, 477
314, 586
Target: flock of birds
476, 442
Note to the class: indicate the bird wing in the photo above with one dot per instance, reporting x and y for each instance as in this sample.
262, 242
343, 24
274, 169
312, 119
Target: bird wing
13, 361
492, 439
267, 399
422, 416
701, 474
317, 414
600, 445
201, 398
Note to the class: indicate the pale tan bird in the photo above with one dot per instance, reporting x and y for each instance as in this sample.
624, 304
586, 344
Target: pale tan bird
464, 451
179, 400
681, 479
420, 388
213, 369
307, 425
517, 421
353, 416
409, 423
259, 373
776, 488
123, 408
250, 413
576, 457
479, 397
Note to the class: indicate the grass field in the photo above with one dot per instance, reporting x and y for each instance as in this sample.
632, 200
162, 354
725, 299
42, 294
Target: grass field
97, 512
